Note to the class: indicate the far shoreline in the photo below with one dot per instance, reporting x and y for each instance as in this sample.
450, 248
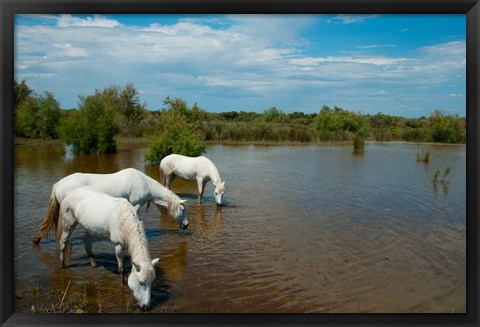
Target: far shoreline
123, 141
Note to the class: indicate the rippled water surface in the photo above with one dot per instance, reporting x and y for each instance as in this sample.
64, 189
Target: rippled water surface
304, 229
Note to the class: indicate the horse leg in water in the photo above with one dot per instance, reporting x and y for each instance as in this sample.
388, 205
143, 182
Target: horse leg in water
88, 248
120, 260
201, 187
67, 229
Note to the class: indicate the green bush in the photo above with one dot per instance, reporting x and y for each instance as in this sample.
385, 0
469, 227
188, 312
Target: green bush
37, 117
117, 109
358, 144
446, 129
26, 118
92, 129
21, 91
274, 115
178, 136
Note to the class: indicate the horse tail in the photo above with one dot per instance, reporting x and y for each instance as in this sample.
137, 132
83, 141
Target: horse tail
50, 219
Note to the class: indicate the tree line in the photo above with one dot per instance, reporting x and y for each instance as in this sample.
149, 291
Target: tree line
115, 110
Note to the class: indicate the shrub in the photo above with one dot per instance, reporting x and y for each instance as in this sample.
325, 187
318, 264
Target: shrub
274, 115
21, 92
358, 144
92, 129
26, 118
178, 136
447, 129
38, 117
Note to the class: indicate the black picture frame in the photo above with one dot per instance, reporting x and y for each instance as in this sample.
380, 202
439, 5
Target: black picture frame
9, 8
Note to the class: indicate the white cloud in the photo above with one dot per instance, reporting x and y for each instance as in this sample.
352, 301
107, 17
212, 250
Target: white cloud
454, 49
351, 19
377, 61
272, 30
375, 46
97, 21
249, 59
67, 50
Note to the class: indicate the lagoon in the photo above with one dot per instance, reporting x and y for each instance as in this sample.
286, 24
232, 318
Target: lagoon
309, 228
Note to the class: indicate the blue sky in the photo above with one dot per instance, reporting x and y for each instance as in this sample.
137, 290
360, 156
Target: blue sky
406, 65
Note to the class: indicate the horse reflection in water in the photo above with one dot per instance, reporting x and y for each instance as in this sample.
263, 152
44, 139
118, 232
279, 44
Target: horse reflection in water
210, 229
99, 286
115, 220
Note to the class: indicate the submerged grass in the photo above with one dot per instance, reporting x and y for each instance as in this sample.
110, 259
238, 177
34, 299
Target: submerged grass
443, 179
358, 144
423, 155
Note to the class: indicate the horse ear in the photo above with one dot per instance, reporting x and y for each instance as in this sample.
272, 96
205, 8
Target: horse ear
223, 184
183, 201
154, 261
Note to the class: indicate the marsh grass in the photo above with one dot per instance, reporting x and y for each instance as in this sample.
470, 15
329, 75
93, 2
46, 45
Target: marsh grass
358, 144
38, 299
65, 293
423, 155
444, 176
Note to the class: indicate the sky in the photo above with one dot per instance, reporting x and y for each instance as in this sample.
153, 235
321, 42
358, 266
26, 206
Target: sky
403, 65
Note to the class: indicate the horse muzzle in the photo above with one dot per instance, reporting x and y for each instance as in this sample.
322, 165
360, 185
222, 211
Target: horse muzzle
182, 226
146, 308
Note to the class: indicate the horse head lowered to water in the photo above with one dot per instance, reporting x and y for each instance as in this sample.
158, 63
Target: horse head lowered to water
129, 183
110, 219
200, 169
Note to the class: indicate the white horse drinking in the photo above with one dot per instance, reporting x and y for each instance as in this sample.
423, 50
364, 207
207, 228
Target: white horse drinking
110, 219
200, 169
129, 183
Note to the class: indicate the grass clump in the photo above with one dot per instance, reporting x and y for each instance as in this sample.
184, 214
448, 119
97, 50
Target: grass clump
358, 144
443, 178
423, 155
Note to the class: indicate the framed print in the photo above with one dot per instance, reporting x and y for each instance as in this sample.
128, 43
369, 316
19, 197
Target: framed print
220, 162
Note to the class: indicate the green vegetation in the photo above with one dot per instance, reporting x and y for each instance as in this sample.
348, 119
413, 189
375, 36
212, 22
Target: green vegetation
423, 155
179, 132
37, 116
446, 129
116, 111
92, 129
444, 176
358, 144
21, 91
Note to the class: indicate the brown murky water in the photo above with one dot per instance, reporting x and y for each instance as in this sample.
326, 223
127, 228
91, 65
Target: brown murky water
304, 229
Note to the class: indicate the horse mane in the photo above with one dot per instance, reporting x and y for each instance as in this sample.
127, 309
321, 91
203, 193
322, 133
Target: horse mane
133, 234
214, 174
173, 203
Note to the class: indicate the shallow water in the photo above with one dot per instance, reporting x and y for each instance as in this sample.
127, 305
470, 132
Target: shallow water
304, 229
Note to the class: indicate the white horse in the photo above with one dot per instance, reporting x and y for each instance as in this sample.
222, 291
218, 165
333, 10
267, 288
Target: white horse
200, 169
129, 183
110, 219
